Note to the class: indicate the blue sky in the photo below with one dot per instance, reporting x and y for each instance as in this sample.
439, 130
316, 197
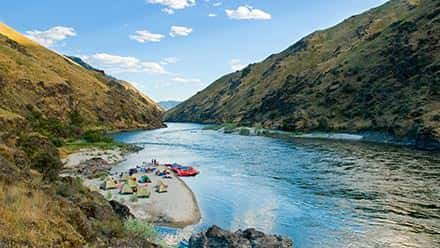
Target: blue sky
170, 49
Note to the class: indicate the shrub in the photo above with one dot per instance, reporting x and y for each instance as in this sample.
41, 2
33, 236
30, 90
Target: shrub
42, 154
244, 131
108, 195
133, 198
141, 230
97, 136
57, 141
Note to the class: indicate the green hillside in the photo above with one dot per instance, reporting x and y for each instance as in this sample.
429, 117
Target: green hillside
379, 71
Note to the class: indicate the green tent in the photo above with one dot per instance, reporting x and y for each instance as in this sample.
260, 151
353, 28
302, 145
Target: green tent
144, 179
143, 192
126, 190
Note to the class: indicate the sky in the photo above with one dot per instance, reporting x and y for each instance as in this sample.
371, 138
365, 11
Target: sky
171, 49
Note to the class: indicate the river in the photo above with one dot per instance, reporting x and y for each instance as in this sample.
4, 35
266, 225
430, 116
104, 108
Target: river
320, 193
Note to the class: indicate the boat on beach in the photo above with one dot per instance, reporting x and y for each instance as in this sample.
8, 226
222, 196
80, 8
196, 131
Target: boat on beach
184, 171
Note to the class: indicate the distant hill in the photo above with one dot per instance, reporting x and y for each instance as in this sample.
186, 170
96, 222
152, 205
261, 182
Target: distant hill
35, 81
379, 71
167, 105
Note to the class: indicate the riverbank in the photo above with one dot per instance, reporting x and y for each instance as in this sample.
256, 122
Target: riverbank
366, 136
177, 207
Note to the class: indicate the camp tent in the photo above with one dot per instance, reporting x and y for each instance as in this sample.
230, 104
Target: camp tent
161, 187
143, 192
109, 178
125, 178
126, 190
132, 183
144, 179
109, 184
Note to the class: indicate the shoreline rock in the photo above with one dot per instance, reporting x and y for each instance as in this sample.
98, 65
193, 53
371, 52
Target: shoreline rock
249, 238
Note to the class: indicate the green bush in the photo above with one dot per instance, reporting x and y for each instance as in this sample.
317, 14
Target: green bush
133, 198
141, 230
57, 141
42, 154
108, 196
229, 127
212, 127
96, 137
244, 131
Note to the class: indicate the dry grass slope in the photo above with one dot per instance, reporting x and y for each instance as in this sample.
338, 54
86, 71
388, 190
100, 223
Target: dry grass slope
33, 78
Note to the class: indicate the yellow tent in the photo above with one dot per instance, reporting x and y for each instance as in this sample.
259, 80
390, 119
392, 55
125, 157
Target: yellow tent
125, 178
126, 190
161, 187
143, 192
132, 183
109, 184
109, 178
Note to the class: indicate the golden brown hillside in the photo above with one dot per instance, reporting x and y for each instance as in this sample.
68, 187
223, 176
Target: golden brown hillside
35, 80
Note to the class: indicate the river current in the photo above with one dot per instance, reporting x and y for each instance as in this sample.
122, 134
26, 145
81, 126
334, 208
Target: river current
320, 193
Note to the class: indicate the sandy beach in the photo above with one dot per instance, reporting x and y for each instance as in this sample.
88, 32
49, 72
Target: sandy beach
176, 208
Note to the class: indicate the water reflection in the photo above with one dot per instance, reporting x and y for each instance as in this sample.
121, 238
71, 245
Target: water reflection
320, 193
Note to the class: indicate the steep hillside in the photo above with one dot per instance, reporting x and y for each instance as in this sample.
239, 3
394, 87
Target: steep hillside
45, 100
37, 81
376, 71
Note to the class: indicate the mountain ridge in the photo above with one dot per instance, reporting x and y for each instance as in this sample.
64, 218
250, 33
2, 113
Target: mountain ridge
378, 71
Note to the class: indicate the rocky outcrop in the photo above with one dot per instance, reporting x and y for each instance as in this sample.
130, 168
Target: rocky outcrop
426, 140
215, 237
91, 168
121, 210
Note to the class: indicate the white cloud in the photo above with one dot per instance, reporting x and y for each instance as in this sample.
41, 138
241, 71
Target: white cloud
186, 80
119, 64
236, 65
169, 60
217, 4
145, 35
248, 13
153, 68
180, 31
50, 37
174, 4
168, 11
212, 15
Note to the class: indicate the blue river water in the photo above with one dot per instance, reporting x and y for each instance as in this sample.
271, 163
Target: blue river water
319, 193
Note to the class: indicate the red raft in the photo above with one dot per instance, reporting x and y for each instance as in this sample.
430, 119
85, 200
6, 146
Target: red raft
184, 171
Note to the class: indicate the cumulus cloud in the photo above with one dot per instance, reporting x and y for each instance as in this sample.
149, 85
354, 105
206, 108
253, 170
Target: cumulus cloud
119, 64
212, 15
186, 80
168, 11
174, 4
145, 35
50, 37
248, 13
180, 31
217, 4
236, 65
169, 60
